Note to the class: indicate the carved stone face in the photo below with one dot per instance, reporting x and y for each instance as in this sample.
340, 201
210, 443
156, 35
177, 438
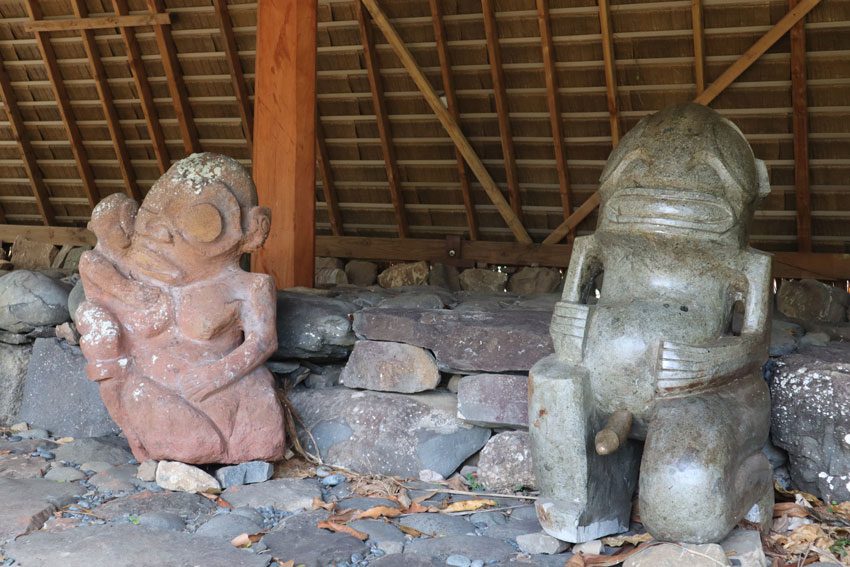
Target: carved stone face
685, 171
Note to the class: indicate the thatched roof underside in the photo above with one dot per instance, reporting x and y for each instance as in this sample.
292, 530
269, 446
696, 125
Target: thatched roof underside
654, 54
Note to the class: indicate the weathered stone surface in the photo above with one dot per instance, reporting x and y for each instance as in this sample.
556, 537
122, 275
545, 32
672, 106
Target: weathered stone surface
64, 474
313, 327
15, 338
32, 255
30, 299
288, 494
123, 546
401, 275
121, 478
493, 400
72, 258
299, 540
68, 333
784, 337
817, 339
58, 396
810, 393
423, 300
22, 466
184, 504
811, 300
13, 370
503, 341
390, 367
393, 434
677, 555
181, 477
107, 449
75, 298
330, 277
27, 503
438, 525
168, 521
444, 276
244, 473
384, 535
475, 547
479, 279
745, 546
528, 281
361, 272
505, 462
147, 471
228, 526
540, 543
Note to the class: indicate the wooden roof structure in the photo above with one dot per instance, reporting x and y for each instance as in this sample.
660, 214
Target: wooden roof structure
483, 121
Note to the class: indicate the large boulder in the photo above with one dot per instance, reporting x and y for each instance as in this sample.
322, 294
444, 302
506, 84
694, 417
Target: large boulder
32, 255
361, 272
313, 327
810, 392
390, 367
389, 434
401, 275
479, 279
466, 341
59, 397
811, 300
13, 370
31, 299
528, 281
77, 296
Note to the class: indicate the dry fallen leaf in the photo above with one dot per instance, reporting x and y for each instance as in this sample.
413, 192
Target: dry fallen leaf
342, 528
64, 440
576, 561
319, 503
456, 483
469, 505
403, 499
246, 540
413, 532
804, 538
417, 508
377, 512
789, 509
619, 541
290, 563
810, 498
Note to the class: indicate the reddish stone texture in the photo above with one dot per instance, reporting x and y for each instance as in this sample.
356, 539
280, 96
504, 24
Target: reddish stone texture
174, 331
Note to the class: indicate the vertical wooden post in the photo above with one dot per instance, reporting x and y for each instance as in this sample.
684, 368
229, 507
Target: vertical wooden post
285, 137
699, 45
800, 125
610, 70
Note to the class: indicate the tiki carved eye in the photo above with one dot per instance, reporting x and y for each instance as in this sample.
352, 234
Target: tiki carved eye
201, 222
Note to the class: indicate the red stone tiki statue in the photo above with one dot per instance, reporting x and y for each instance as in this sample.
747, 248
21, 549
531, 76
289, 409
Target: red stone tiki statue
174, 331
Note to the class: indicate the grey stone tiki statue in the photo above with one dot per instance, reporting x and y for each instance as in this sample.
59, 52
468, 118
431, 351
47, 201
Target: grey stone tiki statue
658, 373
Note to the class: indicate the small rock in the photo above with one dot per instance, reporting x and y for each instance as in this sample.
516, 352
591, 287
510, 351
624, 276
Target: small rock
361, 273
20, 426
540, 543
385, 536
64, 474
330, 277
244, 473
677, 555
428, 475
477, 279
458, 561
592, 547
528, 281
147, 471
505, 464
390, 367
121, 478
184, 504
228, 526
68, 333
333, 480
290, 495
36, 433
480, 547
401, 275
438, 525
167, 521
180, 477
96, 466
29, 300
817, 338
746, 547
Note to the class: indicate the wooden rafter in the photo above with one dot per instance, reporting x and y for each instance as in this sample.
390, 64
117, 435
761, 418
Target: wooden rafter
384, 130
107, 22
328, 189
143, 88
447, 120
699, 45
554, 103
63, 101
16, 123
451, 104
497, 74
610, 70
237, 76
174, 78
101, 83
734, 71
800, 125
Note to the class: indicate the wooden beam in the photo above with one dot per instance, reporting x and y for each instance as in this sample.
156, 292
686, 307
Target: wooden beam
98, 23
376, 87
574, 220
699, 45
63, 101
800, 126
780, 28
451, 104
143, 89
328, 189
553, 101
733, 72
53, 234
811, 265
448, 122
610, 70
16, 124
285, 138
174, 78
237, 76
101, 83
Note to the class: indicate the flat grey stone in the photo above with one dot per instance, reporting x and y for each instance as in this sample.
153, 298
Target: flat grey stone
513, 528
168, 521
474, 547
468, 341
58, 396
505, 462
64, 474
313, 327
300, 540
28, 503
412, 301
438, 525
31, 299
676, 555
540, 543
107, 449
382, 534
228, 526
244, 473
745, 546
384, 433
14, 360
493, 400
184, 504
121, 478
290, 495
124, 546
406, 560
22, 466
390, 367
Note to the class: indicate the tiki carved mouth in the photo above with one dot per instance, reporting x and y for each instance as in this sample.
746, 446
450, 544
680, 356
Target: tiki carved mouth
668, 208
